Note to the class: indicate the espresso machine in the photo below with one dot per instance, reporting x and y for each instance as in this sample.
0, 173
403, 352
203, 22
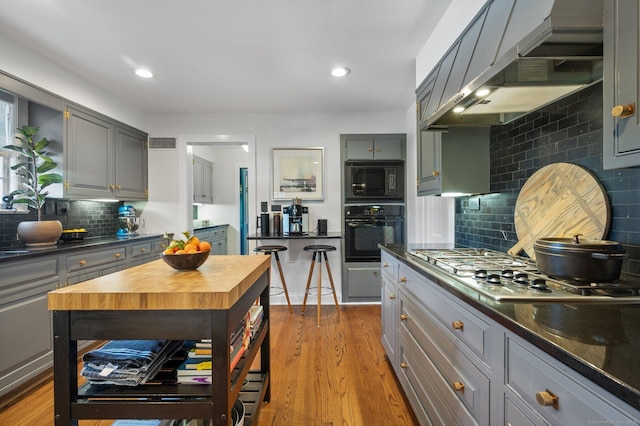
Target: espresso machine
295, 219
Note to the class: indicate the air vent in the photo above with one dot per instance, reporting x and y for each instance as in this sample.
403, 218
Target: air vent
162, 143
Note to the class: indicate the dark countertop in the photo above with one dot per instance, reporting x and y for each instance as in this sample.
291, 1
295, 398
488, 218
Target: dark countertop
64, 247
599, 340
311, 235
200, 228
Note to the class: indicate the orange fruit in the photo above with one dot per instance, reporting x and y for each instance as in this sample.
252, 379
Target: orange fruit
204, 246
190, 247
168, 251
180, 252
194, 240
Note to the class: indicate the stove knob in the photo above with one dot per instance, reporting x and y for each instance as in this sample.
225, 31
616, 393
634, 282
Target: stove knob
521, 278
507, 273
539, 284
480, 274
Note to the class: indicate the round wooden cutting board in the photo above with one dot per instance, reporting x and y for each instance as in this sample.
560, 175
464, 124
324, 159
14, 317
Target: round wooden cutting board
560, 200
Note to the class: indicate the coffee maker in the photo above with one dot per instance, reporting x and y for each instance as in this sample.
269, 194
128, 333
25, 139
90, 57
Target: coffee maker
295, 219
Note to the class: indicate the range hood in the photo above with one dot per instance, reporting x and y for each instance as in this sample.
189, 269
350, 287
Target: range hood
513, 58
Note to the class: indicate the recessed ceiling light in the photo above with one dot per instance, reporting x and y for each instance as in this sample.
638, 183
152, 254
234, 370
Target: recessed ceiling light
144, 73
340, 72
458, 109
482, 92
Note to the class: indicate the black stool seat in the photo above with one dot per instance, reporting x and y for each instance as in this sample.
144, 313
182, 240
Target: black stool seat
319, 251
319, 248
274, 249
269, 249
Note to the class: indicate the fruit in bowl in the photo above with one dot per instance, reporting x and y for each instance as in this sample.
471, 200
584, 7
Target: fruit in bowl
187, 254
76, 234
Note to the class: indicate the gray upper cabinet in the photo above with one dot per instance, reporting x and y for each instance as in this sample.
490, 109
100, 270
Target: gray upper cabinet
202, 180
375, 149
621, 121
456, 161
103, 159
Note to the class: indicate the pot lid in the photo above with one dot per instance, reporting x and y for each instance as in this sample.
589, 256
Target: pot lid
577, 243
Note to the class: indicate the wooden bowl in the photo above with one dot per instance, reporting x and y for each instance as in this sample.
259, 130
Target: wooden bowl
185, 262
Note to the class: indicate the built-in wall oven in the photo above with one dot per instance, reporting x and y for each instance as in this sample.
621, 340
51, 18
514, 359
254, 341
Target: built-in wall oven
366, 226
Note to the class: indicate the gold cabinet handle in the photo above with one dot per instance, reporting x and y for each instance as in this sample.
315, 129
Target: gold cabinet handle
370, 149
403, 279
142, 250
118, 187
435, 173
392, 296
378, 149
118, 255
458, 325
623, 111
547, 399
403, 365
458, 386
403, 317
83, 262
163, 246
385, 265
112, 187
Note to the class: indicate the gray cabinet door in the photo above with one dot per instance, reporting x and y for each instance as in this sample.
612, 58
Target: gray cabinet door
131, 165
429, 162
89, 155
374, 149
360, 149
389, 320
621, 145
202, 180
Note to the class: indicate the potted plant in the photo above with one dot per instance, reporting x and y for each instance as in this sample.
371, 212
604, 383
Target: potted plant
35, 169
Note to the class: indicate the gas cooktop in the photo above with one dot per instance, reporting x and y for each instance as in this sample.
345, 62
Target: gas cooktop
503, 277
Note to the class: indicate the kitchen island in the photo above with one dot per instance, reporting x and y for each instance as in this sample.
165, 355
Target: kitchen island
153, 301
462, 356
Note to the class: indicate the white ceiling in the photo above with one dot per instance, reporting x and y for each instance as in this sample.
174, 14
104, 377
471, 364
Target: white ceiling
235, 55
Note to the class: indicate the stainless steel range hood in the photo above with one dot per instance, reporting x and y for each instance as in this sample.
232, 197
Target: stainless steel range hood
523, 54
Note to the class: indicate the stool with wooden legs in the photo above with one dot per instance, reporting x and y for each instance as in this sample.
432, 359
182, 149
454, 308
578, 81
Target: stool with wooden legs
319, 251
274, 251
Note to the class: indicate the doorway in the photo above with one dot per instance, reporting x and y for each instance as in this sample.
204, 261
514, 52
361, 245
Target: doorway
244, 210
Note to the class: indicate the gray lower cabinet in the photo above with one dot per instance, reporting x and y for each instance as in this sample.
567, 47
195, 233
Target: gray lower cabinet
102, 158
459, 367
216, 236
361, 282
26, 325
621, 121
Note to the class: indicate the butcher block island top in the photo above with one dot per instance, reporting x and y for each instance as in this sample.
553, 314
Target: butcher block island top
217, 284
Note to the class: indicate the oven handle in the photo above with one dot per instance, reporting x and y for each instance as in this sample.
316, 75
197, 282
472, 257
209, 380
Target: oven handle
373, 223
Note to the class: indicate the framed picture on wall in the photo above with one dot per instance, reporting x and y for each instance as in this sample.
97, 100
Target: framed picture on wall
298, 173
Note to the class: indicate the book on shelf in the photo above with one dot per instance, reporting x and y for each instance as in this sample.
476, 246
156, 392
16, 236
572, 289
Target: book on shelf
194, 380
195, 367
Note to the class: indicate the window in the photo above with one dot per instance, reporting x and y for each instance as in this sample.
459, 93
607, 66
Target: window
8, 125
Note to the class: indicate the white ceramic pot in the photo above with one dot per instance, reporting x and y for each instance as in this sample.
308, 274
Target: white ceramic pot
42, 233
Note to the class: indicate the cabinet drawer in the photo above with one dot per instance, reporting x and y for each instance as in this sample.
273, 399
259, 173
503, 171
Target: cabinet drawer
80, 262
158, 247
219, 232
470, 329
530, 372
464, 380
27, 272
389, 267
140, 250
513, 416
434, 393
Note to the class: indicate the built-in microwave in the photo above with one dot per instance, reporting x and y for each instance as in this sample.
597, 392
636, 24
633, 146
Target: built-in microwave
374, 181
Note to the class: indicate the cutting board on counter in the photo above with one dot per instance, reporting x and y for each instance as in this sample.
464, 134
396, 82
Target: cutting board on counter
559, 201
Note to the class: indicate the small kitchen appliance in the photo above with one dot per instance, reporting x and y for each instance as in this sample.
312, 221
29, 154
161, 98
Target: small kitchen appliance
374, 181
295, 219
127, 221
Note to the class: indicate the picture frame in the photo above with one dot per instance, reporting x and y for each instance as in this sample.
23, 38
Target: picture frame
298, 173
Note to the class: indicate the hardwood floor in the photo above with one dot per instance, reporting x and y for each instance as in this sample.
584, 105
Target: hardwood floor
335, 374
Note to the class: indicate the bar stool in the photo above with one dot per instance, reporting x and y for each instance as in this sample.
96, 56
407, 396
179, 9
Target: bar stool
274, 250
319, 251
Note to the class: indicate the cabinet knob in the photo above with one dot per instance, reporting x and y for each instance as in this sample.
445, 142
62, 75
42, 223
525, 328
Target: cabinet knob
378, 149
457, 325
83, 262
112, 187
385, 265
142, 250
403, 279
403, 365
547, 399
370, 149
118, 187
403, 317
623, 111
458, 386
392, 296
435, 173
118, 255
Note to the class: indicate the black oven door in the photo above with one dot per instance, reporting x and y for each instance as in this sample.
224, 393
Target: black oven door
362, 237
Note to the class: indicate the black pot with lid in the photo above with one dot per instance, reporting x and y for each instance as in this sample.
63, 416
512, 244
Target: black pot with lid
579, 259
